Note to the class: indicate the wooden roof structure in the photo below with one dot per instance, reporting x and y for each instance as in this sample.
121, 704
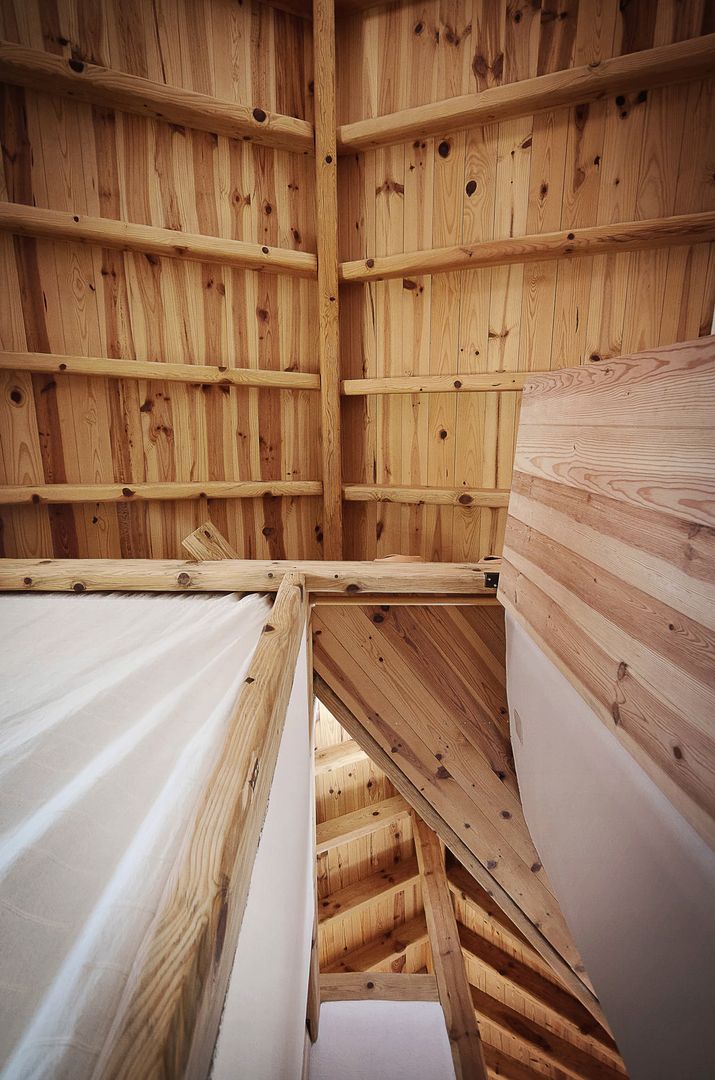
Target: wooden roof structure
276, 278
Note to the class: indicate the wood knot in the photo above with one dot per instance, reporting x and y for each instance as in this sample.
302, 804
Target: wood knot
622, 670
27, 581
254, 776
76, 65
127, 492
464, 499
184, 579
352, 587
79, 586
268, 628
259, 116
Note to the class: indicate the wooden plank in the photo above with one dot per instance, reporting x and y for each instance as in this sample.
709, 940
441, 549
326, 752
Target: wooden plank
367, 819
501, 1064
467, 888
378, 986
175, 995
370, 890
482, 382
566, 244
206, 542
525, 979
84, 81
18, 495
420, 496
326, 199
666, 65
193, 374
173, 244
243, 575
462, 1029
395, 599
388, 950
559, 1051
329, 758
459, 849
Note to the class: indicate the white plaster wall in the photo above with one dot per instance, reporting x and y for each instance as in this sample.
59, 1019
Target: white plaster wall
263, 1024
635, 882
381, 1040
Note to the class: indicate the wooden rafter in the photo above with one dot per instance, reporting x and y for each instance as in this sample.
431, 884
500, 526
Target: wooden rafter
464, 1038
341, 830
386, 950
362, 894
329, 758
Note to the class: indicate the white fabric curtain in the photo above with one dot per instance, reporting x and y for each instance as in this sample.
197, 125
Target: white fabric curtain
112, 711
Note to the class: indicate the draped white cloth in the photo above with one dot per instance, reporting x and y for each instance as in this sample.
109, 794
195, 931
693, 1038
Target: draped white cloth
112, 710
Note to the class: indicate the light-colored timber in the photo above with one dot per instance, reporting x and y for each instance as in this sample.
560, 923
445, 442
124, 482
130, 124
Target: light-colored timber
330, 758
378, 955
683, 61
171, 1011
393, 599
425, 496
193, 374
172, 491
149, 240
377, 986
471, 382
573, 243
354, 898
84, 81
326, 199
462, 1029
207, 542
341, 830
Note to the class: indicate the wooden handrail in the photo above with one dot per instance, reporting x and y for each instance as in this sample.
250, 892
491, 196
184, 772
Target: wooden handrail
82, 81
195, 374
594, 240
25, 220
662, 66
20, 494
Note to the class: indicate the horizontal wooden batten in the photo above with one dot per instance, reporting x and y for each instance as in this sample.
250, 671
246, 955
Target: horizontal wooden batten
126, 236
17, 495
385, 950
367, 891
99, 85
377, 986
596, 240
419, 496
329, 758
195, 374
662, 66
241, 575
341, 830
481, 382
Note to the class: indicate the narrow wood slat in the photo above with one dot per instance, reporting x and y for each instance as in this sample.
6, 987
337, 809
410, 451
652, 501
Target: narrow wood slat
83, 81
18, 495
194, 374
555, 1049
241, 575
176, 991
420, 496
538, 247
341, 830
662, 66
480, 382
387, 949
326, 223
207, 542
24, 220
367, 891
329, 758
467, 888
377, 986
462, 1029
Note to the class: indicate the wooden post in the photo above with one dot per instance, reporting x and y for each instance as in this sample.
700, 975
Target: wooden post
454, 992
172, 1006
326, 199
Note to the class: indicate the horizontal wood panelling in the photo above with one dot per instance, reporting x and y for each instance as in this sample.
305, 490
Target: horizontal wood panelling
84, 81
608, 558
194, 374
107, 493
378, 986
663, 66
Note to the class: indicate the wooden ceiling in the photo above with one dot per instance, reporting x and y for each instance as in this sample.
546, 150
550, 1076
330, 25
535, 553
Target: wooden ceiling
150, 382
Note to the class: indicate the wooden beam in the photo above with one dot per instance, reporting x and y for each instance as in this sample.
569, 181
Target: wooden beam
326, 220
558, 1051
389, 948
421, 496
207, 542
400, 600
576, 243
341, 830
148, 240
528, 981
176, 991
173, 491
481, 382
82, 81
377, 986
194, 374
464, 1038
464, 886
663, 66
458, 848
367, 891
240, 575
329, 758
503, 1065
312, 1012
